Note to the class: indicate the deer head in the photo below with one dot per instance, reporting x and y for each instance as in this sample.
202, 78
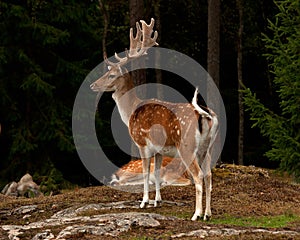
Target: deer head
117, 75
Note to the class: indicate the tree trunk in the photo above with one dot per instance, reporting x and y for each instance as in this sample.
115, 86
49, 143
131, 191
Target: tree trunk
104, 12
240, 81
136, 11
213, 53
213, 40
158, 72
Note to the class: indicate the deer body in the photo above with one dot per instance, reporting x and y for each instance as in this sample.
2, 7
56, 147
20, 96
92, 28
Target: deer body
159, 128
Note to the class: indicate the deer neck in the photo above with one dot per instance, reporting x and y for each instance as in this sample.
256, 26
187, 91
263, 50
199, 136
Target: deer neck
126, 98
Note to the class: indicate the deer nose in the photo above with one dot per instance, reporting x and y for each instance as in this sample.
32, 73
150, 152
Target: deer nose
94, 86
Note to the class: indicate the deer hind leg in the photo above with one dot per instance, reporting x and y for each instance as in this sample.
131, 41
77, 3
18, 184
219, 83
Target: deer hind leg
208, 189
188, 158
157, 166
146, 173
197, 175
208, 185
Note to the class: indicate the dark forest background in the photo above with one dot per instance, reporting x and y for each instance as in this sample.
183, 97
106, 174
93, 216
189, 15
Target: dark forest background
47, 48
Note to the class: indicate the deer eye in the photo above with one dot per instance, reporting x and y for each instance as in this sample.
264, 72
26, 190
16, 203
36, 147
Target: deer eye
112, 76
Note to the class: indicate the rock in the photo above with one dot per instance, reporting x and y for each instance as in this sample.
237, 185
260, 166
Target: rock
10, 189
208, 231
113, 224
106, 224
85, 219
26, 186
26, 178
47, 235
24, 209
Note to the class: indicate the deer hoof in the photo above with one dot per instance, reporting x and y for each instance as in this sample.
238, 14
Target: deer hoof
157, 203
207, 217
143, 204
195, 217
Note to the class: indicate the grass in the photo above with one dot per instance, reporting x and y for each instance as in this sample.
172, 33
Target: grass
279, 221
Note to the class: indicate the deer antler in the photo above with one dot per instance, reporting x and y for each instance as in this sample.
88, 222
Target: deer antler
147, 32
139, 44
135, 42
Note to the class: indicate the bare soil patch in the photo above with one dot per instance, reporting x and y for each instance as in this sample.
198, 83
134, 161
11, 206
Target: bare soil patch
238, 192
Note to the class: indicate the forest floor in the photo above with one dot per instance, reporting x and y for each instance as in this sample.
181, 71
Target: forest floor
247, 203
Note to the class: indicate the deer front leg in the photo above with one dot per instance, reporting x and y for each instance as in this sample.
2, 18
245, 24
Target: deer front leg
157, 166
146, 172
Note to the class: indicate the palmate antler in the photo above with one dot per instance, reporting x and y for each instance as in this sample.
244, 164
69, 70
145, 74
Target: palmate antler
138, 44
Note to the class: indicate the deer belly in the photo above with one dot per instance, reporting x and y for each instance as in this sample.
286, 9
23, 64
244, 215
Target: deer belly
151, 149
170, 151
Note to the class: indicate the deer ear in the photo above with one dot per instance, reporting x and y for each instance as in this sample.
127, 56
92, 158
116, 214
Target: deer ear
123, 70
109, 67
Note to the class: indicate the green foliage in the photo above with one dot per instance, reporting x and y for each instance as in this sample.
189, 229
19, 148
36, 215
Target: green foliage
53, 182
282, 125
48, 47
42, 64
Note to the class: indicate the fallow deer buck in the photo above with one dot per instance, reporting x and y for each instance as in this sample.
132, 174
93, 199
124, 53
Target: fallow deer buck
161, 128
172, 173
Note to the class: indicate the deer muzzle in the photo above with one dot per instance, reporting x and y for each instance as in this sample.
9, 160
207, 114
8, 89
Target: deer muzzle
95, 87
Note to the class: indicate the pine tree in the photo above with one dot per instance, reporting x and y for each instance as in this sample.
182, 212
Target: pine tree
282, 125
42, 64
